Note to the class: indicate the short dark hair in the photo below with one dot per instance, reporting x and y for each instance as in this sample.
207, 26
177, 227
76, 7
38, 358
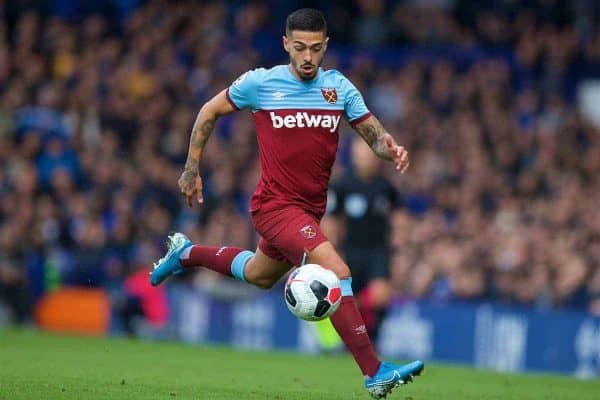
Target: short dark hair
306, 19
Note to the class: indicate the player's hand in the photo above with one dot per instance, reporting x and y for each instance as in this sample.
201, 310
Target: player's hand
398, 153
190, 184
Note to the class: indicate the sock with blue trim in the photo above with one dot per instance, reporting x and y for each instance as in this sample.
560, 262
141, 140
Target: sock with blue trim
349, 324
229, 261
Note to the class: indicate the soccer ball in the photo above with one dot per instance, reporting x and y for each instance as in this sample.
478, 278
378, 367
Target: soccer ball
312, 292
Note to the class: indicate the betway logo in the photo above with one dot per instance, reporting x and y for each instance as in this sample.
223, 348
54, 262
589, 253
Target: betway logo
305, 120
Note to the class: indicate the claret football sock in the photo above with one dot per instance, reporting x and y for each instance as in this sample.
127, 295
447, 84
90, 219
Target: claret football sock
367, 310
351, 328
229, 261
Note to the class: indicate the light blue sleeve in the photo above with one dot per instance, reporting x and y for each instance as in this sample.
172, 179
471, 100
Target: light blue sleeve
243, 92
355, 108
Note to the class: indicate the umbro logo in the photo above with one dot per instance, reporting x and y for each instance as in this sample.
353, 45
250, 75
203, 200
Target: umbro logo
278, 95
359, 330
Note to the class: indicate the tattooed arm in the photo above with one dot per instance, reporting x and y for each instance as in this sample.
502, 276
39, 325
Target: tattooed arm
190, 182
382, 143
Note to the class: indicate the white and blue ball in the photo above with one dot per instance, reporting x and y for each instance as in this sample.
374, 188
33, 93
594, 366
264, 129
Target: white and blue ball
312, 292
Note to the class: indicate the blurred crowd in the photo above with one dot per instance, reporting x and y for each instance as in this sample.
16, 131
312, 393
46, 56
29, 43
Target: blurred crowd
500, 203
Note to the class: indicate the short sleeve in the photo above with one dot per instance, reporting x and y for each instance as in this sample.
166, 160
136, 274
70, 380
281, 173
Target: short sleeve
355, 108
243, 92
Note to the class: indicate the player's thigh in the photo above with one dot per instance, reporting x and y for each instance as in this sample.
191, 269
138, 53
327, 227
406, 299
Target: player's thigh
265, 269
327, 256
287, 233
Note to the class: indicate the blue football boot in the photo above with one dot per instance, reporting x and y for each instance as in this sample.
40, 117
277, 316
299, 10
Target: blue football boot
170, 264
389, 376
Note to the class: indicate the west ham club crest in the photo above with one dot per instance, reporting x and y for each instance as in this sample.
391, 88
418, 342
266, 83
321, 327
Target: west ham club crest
308, 232
330, 95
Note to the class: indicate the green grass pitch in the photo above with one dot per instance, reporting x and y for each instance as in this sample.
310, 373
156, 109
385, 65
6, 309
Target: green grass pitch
43, 366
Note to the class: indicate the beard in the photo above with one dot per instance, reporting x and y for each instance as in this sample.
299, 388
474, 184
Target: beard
306, 71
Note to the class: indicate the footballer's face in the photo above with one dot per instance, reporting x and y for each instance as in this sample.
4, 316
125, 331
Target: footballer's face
306, 51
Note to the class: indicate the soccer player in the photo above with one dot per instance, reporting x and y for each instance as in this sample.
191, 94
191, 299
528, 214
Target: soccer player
297, 110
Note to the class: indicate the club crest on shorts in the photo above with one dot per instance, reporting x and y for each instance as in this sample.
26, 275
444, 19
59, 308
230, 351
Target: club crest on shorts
329, 94
308, 232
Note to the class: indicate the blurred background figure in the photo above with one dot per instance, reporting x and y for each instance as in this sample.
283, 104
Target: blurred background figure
15, 305
360, 206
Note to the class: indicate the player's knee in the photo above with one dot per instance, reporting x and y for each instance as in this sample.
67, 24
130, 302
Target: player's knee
341, 270
326, 256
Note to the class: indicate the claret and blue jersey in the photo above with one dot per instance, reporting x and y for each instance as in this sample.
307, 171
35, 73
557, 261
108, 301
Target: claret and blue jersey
297, 125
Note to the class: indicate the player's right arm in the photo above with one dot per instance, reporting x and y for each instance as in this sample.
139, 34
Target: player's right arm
370, 129
190, 182
242, 94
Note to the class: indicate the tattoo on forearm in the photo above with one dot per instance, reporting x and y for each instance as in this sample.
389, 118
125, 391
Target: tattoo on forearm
368, 132
200, 133
191, 164
373, 133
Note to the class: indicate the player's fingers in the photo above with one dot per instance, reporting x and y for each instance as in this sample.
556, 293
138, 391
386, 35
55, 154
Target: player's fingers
184, 190
199, 190
404, 156
405, 167
401, 162
400, 157
188, 193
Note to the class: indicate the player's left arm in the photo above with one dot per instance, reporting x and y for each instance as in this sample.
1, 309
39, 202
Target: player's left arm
382, 143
